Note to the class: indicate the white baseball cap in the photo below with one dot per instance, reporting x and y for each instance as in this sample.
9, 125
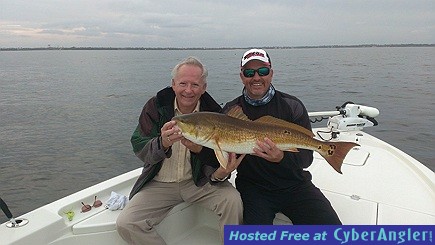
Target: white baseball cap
255, 54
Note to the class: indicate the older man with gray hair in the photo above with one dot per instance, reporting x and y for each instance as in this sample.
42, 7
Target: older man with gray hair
175, 169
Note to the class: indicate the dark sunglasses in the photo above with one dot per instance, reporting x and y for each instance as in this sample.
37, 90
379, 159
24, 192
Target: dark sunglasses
262, 71
87, 207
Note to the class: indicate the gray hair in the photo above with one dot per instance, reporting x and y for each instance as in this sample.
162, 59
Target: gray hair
191, 61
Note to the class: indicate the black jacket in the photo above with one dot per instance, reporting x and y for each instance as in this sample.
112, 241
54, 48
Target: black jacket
147, 141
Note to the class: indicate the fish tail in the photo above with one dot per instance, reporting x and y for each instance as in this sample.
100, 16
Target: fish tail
336, 152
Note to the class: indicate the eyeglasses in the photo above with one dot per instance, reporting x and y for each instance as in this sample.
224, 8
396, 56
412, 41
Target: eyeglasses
87, 207
262, 71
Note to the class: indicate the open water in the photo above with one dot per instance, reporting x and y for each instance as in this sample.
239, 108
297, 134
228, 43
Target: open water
66, 117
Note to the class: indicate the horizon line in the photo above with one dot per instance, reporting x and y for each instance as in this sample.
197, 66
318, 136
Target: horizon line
49, 47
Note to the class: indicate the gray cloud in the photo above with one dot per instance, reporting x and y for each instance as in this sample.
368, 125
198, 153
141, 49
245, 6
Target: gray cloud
195, 23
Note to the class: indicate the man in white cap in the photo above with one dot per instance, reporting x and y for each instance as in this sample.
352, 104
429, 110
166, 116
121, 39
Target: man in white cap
270, 180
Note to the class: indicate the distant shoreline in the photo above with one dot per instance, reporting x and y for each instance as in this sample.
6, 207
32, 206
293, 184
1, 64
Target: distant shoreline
224, 48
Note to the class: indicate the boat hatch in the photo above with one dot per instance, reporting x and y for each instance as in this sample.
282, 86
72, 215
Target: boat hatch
389, 215
351, 210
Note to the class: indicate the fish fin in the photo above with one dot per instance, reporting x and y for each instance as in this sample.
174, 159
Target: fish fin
279, 122
237, 112
336, 153
293, 150
222, 157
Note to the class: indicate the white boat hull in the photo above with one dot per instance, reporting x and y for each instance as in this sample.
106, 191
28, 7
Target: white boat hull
379, 185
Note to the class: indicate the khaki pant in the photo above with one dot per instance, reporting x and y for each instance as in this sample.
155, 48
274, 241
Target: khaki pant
136, 223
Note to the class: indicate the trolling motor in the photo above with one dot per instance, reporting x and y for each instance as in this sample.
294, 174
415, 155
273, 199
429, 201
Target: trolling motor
349, 117
353, 117
12, 223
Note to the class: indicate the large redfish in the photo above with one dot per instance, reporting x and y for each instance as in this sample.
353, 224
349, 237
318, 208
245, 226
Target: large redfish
234, 132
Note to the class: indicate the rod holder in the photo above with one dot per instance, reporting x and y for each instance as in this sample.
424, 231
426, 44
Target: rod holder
17, 223
12, 223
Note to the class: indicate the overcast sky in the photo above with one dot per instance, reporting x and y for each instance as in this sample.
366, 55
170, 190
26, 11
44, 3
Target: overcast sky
214, 23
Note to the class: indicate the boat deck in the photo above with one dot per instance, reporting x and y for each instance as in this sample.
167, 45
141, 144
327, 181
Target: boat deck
379, 185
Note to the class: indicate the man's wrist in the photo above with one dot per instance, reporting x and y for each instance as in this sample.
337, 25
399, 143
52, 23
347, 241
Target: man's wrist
214, 178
